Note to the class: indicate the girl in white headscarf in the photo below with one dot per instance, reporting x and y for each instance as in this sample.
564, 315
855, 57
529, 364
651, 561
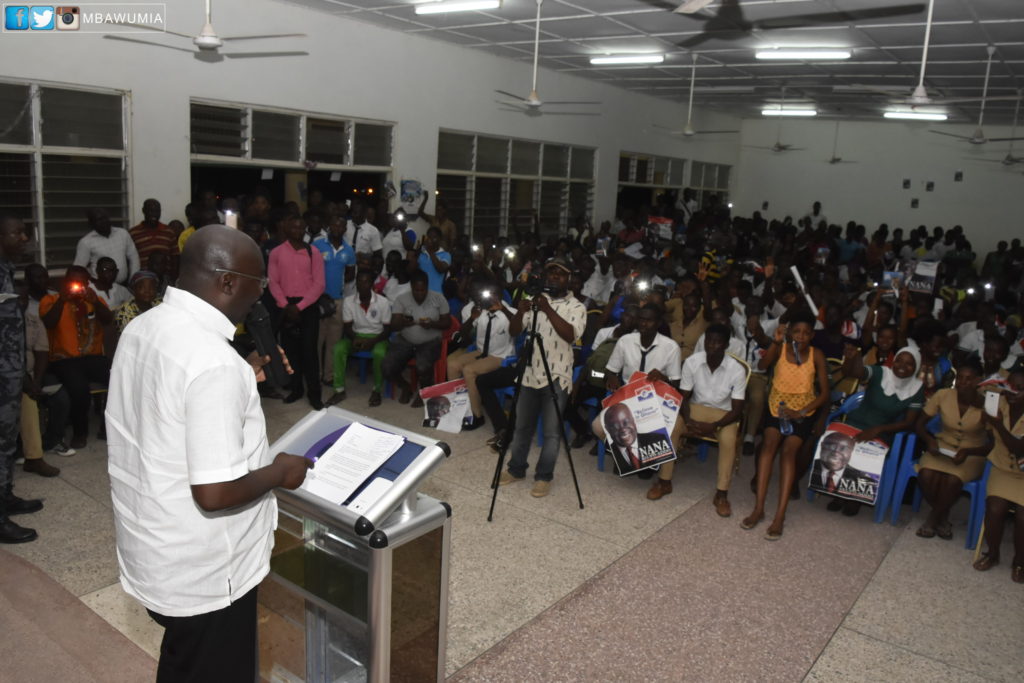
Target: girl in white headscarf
893, 399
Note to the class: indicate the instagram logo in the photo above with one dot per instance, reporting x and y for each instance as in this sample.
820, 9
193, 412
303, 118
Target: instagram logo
67, 18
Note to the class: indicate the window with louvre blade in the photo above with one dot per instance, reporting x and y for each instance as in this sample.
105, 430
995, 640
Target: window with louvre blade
218, 130
76, 118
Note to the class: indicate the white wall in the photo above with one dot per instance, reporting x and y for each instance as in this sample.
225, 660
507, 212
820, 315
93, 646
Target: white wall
988, 203
353, 69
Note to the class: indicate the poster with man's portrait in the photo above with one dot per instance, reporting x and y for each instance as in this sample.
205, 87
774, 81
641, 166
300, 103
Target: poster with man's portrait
445, 405
634, 422
847, 468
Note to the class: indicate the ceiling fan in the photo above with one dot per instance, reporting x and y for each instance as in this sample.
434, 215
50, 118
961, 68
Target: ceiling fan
532, 103
836, 159
1009, 159
919, 97
779, 146
209, 42
728, 23
688, 130
978, 136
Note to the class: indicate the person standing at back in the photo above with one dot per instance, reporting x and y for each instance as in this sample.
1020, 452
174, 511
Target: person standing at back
190, 470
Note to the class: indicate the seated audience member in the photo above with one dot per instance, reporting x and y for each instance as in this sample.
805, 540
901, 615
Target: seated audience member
296, 279
366, 318
688, 317
339, 268
799, 388
735, 345
420, 318
956, 455
892, 401
1006, 479
714, 386
106, 286
144, 286
486, 319
935, 368
74, 320
994, 353
433, 260
758, 330
398, 282
883, 350
652, 353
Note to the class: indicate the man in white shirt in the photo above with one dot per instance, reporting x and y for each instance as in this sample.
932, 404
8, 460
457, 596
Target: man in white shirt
105, 240
366, 318
360, 233
486, 317
644, 351
713, 386
191, 474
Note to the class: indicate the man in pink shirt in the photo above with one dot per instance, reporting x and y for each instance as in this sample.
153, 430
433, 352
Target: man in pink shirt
296, 275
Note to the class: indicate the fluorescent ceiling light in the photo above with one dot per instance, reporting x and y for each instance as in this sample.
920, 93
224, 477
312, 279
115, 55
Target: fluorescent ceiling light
829, 55
628, 59
915, 115
789, 112
459, 6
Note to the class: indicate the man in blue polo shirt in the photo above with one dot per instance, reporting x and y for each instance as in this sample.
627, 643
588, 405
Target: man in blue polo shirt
433, 260
339, 268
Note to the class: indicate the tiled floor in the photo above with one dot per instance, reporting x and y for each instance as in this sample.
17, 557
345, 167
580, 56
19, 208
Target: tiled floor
627, 589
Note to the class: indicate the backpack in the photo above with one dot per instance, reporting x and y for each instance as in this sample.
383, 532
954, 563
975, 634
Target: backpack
594, 369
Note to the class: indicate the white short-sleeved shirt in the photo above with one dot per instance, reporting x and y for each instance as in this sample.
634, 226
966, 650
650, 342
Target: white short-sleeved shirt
662, 355
118, 294
370, 321
736, 346
502, 344
182, 409
714, 389
368, 239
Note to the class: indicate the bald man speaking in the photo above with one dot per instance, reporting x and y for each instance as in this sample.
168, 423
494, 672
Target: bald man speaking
190, 469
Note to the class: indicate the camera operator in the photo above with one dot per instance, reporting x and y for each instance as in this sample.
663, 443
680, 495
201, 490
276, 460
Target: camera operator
560, 319
491, 318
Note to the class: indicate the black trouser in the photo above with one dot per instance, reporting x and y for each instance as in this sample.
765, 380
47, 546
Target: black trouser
58, 407
400, 352
216, 646
581, 425
10, 413
298, 339
76, 374
486, 385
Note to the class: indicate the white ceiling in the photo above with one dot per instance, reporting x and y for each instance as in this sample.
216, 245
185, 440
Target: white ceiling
886, 51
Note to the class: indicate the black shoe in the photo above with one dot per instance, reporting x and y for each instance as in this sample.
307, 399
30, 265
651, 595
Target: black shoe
473, 423
851, 508
748, 448
12, 533
316, 403
835, 505
645, 474
20, 506
293, 397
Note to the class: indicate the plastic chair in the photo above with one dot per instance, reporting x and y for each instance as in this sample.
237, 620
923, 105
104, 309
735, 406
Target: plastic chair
364, 358
908, 471
440, 366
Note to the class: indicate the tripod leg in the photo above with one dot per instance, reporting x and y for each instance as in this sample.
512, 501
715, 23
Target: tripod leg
561, 422
509, 428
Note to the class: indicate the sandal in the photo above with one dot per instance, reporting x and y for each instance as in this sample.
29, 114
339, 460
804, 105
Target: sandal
1017, 573
985, 562
374, 398
772, 535
925, 532
944, 531
749, 523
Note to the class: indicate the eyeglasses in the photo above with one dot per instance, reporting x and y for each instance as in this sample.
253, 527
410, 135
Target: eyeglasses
262, 280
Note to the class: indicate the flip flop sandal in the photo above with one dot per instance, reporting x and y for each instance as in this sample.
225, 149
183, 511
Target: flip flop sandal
748, 526
772, 535
1017, 573
985, 562
944, 531
926, 532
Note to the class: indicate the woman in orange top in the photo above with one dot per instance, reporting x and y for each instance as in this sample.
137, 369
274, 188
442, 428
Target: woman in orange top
74, 320
801, 382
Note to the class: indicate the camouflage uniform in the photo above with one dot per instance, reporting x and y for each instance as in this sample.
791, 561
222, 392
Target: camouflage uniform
12, 369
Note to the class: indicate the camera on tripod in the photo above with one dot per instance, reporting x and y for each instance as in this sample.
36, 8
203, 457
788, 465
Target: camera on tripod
535, 286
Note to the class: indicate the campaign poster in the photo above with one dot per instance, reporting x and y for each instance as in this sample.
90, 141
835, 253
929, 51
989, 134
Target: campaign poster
671, 399
924, 276
445, 405
847, 468
634, 422
660, 227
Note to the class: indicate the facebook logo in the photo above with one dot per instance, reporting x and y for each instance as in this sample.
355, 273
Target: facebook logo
16, 18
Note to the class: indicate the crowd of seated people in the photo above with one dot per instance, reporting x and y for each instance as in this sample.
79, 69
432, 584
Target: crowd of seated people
763, 326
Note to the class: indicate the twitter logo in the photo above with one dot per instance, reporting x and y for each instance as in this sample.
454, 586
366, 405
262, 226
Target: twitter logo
41, 18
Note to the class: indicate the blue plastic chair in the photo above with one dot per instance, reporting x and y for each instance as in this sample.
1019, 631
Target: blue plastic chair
364, 358
977, 490
908, 471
